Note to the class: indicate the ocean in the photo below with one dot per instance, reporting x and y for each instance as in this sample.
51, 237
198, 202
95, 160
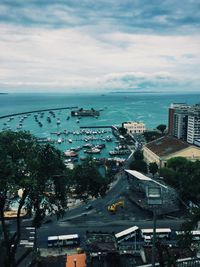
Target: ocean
150, 108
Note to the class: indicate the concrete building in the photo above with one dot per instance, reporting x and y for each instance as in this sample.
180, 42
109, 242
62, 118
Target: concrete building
184, 122
139, 184
164, 148
193, 128
178, 120
134, 127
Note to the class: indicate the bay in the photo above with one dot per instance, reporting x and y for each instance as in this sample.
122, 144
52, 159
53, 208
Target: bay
150, 108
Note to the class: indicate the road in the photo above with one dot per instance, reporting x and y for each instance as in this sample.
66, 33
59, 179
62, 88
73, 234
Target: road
79, 220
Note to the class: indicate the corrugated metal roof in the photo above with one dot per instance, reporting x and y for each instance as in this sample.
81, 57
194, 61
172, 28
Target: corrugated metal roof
126, 232
143, 177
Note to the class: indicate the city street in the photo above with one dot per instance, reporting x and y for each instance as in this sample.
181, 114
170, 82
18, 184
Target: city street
94, 216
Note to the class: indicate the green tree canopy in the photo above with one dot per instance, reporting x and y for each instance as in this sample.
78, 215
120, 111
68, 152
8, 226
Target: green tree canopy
178, 164
153, 168
33, 168
88, 181
184, 176
122, 130
151, 135
161, 128
138, 155
139, 165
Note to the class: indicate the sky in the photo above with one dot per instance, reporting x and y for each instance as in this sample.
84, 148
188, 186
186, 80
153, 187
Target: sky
99, 45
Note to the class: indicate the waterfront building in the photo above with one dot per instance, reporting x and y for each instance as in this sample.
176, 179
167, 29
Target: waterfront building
134, 127
167, 147
193, 128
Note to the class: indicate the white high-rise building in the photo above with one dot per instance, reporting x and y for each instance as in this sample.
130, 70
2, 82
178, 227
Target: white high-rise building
193, 128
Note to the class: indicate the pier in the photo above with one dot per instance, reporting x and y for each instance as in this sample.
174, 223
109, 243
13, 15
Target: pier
34, 111
94, 127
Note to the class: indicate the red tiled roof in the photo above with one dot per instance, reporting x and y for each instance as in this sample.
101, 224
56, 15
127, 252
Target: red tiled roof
79, 258
166, 145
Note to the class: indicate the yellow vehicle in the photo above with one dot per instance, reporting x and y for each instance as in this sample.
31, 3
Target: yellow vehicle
113, 208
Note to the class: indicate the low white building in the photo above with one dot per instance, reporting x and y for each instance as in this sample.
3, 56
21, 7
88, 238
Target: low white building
134, 127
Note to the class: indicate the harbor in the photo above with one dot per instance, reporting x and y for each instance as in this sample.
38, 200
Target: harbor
77, 136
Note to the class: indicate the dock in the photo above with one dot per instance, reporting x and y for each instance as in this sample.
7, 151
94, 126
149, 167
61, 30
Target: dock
94, 127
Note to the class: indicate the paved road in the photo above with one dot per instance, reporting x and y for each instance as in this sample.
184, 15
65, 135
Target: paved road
79, 220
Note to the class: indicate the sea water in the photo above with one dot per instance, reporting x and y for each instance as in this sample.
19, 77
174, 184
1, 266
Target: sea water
116, 108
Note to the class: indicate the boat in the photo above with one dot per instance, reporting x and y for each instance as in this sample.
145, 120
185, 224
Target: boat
70, 140
93, 151
59, 141
58, 121
49, 119
68, 118
88, 145
116, 153
69, 153
77, 121
100, 146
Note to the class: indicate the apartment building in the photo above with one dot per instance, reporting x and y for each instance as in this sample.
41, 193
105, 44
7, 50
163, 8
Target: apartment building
193, 128
178, 120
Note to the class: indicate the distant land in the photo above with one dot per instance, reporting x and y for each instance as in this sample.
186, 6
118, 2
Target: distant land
133, 92
3, 93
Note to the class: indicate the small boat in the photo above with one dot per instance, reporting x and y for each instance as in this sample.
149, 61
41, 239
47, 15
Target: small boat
93, 151
77, 121
100, 146
88, 145
58, 121
49, 119
68, 118
70, 140
69, 153
59, 141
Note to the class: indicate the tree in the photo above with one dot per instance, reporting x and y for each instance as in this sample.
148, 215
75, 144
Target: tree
184, 175
151, 135
122, 131
33, 168
161, 128
153, 168
178, 163
138, 155
139, 165
88, 182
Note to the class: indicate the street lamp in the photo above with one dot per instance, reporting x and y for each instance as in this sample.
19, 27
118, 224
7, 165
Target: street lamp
74, 262
154, 196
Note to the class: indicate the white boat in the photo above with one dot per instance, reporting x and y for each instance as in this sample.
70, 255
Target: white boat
59, 141
93, 151
70, 140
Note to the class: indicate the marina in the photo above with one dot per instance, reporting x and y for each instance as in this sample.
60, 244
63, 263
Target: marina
71, 134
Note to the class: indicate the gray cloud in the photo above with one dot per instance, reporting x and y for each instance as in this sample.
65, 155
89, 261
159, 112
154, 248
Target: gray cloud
126, 15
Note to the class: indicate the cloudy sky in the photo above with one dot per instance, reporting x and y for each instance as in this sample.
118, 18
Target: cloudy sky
127, 45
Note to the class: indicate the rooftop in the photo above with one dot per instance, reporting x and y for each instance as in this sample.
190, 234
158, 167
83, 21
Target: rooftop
101, 242
143, 177
166, 145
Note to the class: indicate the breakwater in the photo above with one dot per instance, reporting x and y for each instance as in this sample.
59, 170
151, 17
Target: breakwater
88, 127
34, 111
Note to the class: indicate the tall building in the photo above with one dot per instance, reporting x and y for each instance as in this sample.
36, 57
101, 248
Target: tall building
178, 120
193, 128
